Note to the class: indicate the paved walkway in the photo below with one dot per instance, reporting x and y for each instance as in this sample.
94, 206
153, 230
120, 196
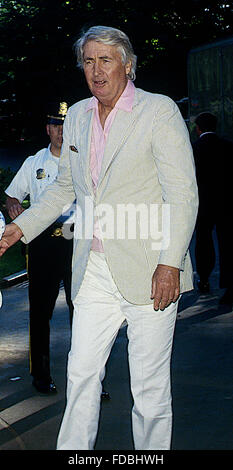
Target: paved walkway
202, 378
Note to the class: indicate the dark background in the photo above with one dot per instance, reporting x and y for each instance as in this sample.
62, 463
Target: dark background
38, 63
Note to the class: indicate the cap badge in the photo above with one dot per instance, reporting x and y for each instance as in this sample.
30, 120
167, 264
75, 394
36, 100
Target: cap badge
63, 108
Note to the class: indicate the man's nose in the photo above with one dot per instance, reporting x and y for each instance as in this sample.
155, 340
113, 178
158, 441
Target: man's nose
96, 68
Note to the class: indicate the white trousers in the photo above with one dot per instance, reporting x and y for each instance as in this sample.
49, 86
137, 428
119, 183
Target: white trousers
99, 311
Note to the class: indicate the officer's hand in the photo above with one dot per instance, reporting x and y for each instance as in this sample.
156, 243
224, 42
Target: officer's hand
13, 207
165, 286
11, 235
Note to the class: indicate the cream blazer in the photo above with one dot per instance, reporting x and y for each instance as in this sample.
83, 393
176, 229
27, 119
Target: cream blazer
148, 164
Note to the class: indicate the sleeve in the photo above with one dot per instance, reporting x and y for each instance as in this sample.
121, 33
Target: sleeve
54, 198
20, 185
173, 155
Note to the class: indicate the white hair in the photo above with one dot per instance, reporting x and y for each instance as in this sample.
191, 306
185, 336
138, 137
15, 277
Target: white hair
112, 37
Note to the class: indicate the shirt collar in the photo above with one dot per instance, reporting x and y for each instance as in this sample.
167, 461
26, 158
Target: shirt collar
125, 102
48, 153
50, 156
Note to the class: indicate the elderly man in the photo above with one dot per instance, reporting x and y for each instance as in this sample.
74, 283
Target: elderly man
124, 148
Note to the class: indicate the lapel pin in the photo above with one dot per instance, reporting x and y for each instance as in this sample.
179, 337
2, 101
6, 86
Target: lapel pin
72, 147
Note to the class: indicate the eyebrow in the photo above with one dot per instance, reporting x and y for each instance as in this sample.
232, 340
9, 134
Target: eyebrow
100, 57
105, 57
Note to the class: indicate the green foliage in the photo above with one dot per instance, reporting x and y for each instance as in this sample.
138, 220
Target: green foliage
13, 260
6, 176
37, 61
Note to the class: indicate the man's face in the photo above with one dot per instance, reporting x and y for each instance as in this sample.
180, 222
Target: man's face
104, 72
55, 133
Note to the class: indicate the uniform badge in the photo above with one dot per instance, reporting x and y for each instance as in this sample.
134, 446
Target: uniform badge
40, 174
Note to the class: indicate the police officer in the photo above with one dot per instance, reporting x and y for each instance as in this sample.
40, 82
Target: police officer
50, 254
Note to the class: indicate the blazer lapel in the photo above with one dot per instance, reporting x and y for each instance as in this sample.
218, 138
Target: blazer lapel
121, 128
85, 143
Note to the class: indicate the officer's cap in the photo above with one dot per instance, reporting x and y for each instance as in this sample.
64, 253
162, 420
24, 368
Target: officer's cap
57, 112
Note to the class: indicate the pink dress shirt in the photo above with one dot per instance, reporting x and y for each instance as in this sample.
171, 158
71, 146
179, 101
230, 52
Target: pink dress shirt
98, 142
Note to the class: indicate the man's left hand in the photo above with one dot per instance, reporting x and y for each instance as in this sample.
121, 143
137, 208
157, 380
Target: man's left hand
165, 287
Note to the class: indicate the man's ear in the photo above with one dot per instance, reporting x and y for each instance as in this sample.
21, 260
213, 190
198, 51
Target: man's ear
128, 67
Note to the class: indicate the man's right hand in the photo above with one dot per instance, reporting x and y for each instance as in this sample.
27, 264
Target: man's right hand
11, 235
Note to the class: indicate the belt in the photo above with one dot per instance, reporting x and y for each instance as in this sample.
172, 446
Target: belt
57, 230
